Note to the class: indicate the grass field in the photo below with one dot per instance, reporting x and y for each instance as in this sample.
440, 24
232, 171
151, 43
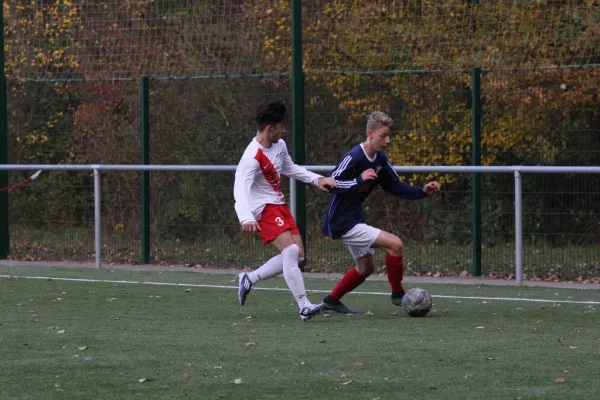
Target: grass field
168, 335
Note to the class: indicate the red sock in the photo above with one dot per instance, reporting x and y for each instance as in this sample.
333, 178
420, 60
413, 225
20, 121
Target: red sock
395, 271
349, 282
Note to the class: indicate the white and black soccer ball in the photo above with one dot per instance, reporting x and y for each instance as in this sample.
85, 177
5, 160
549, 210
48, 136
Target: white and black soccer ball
417, 302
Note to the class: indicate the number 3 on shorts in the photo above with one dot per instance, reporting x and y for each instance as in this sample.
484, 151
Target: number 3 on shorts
279, 221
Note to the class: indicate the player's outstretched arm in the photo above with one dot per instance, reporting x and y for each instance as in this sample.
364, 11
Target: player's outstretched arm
292, 170
390, 182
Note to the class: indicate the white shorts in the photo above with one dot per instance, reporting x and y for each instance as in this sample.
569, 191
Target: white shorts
360, 239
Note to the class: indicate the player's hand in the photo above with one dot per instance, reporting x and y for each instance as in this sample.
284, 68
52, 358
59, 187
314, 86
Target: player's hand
326, 184
431, 188
251, 227
369, 174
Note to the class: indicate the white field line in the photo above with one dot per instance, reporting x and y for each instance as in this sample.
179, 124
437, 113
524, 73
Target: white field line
49, 278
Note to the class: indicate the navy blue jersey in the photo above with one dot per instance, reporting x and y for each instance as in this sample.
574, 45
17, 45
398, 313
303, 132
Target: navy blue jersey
345, 208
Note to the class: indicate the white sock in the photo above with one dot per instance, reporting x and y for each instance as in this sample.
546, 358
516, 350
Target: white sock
271, 268
293, 275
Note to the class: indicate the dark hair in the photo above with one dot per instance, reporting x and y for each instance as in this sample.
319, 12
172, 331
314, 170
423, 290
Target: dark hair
270, 114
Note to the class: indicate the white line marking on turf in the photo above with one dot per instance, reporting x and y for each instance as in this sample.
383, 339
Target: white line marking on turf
49, 278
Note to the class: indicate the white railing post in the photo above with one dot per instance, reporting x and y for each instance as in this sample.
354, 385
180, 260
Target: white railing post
518, 228
97, 218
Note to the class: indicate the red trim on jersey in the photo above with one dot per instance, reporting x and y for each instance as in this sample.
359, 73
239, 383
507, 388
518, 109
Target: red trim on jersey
269, 172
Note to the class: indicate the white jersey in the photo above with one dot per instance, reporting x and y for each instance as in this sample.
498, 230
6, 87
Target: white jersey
257, 178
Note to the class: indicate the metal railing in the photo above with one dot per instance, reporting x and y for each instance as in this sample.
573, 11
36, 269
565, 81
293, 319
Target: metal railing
516, 170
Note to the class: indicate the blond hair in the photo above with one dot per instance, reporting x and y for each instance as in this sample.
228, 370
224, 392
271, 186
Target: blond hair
377, 119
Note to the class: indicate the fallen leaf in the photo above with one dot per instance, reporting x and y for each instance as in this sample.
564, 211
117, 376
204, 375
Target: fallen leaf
559, 380
238, 381
539, 321
142, 380
187, 376
83, 347
322, 341
347, 382
358, 364
187, 290
374, 330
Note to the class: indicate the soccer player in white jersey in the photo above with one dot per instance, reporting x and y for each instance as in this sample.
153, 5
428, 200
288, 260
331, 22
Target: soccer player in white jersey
359, 171
261, 207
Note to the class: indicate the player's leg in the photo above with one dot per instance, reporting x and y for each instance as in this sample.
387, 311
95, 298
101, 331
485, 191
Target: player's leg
290, 251
279, 229
394, 263
364, 266
359, 241
273, 267
272, 223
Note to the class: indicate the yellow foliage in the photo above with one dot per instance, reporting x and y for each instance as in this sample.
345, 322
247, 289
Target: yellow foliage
359, 40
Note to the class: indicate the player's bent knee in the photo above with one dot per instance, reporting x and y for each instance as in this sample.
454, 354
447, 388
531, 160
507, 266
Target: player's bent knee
292, 250
397, 247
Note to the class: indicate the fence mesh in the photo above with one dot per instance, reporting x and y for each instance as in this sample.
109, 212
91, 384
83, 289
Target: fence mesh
74, 70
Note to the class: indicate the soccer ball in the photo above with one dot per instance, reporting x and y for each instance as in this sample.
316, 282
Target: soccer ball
417, 302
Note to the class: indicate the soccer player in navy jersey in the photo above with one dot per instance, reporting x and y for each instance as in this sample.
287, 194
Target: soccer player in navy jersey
357, 174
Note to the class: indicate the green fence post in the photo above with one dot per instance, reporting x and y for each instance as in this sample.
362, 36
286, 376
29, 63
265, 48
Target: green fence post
4, 231
298, 138
476, 177
145, 145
